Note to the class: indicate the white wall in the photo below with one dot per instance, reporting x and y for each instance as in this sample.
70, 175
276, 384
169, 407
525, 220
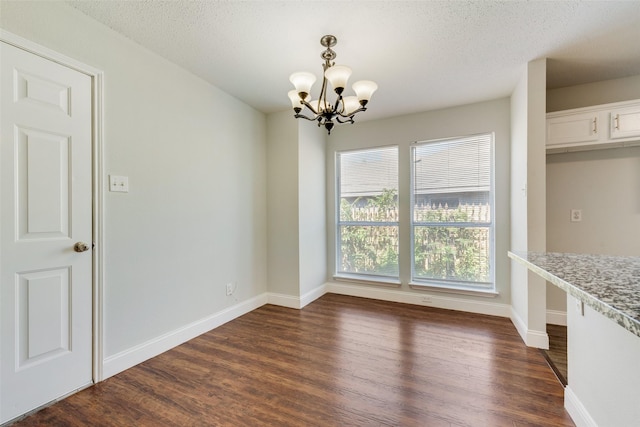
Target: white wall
484, 117
605, 184
194, 218
312, 196
536, 198
297, 232
528, 201
282, 205
519, 273
586, 95
603, 370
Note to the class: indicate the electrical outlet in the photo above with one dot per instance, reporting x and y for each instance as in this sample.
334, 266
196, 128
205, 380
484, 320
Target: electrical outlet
576, 215
119, 183
229, 288
426, 299
580, 307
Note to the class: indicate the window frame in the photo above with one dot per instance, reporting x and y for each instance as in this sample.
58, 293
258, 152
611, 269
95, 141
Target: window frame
363, 277
461, 286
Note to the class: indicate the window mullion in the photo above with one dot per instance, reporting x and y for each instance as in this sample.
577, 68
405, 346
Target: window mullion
368, 223
452, 224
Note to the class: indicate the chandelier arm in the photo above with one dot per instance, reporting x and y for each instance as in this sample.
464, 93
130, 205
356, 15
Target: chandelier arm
353, 113
323, 94
306, 104
302, 116
335, 107
349, 119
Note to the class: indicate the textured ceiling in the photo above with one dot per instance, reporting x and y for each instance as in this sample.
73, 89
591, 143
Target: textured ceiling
424, 55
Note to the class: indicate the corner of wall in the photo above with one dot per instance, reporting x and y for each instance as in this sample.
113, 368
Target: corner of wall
282, 204
528, 199
531, 338
296, 302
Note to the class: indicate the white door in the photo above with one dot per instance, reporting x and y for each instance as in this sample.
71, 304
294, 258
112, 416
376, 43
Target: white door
45, 208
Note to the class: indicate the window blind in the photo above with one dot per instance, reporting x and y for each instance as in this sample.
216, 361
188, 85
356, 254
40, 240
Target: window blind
367, 212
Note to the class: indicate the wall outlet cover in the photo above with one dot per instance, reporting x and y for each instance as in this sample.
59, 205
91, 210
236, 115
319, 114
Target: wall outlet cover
119, 183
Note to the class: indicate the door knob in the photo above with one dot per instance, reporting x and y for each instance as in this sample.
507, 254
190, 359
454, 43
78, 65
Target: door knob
80, 247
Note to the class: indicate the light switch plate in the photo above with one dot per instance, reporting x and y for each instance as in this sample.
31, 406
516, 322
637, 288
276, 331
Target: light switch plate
119, 183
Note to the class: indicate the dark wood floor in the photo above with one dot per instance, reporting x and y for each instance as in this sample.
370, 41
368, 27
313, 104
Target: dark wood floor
557, 354
341, 361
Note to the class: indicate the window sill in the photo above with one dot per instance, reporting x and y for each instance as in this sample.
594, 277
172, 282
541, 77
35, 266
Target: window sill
367, 280
487, 293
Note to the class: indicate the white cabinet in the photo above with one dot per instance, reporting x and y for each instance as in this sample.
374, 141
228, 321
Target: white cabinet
572, 129
601, 126
625, 122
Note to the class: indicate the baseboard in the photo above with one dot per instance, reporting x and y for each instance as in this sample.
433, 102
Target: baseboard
521, 327
291, 301
428, 300
576, 409
531, 338
555, 317
283, 300
138, 354
313, 295
537, 339
385, 294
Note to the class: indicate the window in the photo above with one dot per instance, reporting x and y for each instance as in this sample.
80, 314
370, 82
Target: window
367, 214
452, 212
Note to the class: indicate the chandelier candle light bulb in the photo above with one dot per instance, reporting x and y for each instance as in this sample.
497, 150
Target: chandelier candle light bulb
322, 110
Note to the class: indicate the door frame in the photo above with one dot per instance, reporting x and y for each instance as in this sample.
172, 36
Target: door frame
97, 185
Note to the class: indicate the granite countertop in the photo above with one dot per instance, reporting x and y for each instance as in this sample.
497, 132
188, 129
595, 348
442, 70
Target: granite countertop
608, 284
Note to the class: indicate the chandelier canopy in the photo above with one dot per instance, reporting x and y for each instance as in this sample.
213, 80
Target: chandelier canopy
325, 112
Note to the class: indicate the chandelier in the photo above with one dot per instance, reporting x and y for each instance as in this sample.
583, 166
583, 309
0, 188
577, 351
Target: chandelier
322, 110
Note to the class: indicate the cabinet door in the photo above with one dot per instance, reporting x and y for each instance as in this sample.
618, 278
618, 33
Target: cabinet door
625, 122
573, 129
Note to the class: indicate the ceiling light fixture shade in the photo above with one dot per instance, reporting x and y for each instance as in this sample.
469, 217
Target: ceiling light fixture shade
325, 112
338, 76
364, 89
351, 104
295, 100
303, 82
